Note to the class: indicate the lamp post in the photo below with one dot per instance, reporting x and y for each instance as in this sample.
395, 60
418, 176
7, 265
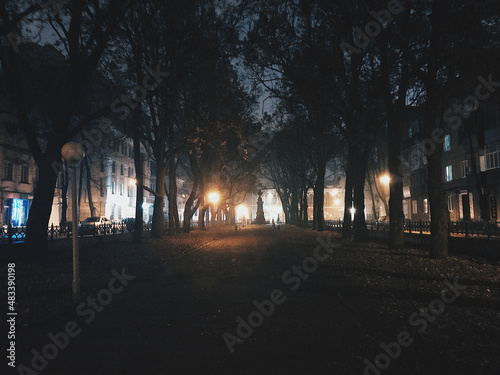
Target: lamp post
213, 198
73, 153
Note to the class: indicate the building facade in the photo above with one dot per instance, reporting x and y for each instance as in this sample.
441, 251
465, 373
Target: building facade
470, 165
106, 179
19, 174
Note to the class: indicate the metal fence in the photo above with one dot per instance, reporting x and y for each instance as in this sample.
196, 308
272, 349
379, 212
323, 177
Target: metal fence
455, 228
9, 234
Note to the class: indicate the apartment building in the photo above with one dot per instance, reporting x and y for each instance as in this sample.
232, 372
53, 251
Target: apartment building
106, 179
470, 166
19, 174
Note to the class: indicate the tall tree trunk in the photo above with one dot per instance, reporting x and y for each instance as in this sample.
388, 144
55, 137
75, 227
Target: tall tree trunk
432, 122
189, 210
348, 197
305, 217
202, 210
89, 186
64, 195
374, 208
359, 225
294, 205
480, 180
41, 207
158, 216
440, 215
139, 176
315, 207
173, 215
320, 192
380, 194
396, 214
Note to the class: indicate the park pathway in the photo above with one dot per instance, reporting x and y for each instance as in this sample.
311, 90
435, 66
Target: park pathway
200, 303
172, 317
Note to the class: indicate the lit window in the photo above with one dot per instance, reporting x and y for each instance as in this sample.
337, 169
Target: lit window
492, 156
414, 206
426, 206
447, 143
448, 173
121, 189
450, 203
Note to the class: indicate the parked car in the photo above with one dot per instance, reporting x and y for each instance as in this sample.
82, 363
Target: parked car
94, 224
129, 223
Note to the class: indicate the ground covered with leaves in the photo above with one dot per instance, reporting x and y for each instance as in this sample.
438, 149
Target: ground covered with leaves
196, 303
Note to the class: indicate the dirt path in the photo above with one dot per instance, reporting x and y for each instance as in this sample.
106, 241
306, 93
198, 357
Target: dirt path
172, 317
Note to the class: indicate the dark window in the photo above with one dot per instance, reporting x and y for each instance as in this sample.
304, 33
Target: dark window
24, 173
7, 170
113, 167
122, 169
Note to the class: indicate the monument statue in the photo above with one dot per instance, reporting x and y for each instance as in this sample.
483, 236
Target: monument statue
260, 210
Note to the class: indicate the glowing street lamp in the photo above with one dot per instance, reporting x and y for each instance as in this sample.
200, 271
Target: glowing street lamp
385, 179
73, 153
213, 198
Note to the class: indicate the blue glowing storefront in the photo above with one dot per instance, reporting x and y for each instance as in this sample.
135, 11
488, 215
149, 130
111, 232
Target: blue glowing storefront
15, 211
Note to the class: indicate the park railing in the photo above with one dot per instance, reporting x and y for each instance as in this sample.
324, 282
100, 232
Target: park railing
455, 228
11, 234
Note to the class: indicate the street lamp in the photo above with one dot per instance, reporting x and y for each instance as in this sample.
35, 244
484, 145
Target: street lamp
213, 198
73, 153
385, 179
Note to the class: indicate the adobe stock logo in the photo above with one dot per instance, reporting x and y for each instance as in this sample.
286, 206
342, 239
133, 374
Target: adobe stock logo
392, 350
372, 29
483, 91
48, 9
